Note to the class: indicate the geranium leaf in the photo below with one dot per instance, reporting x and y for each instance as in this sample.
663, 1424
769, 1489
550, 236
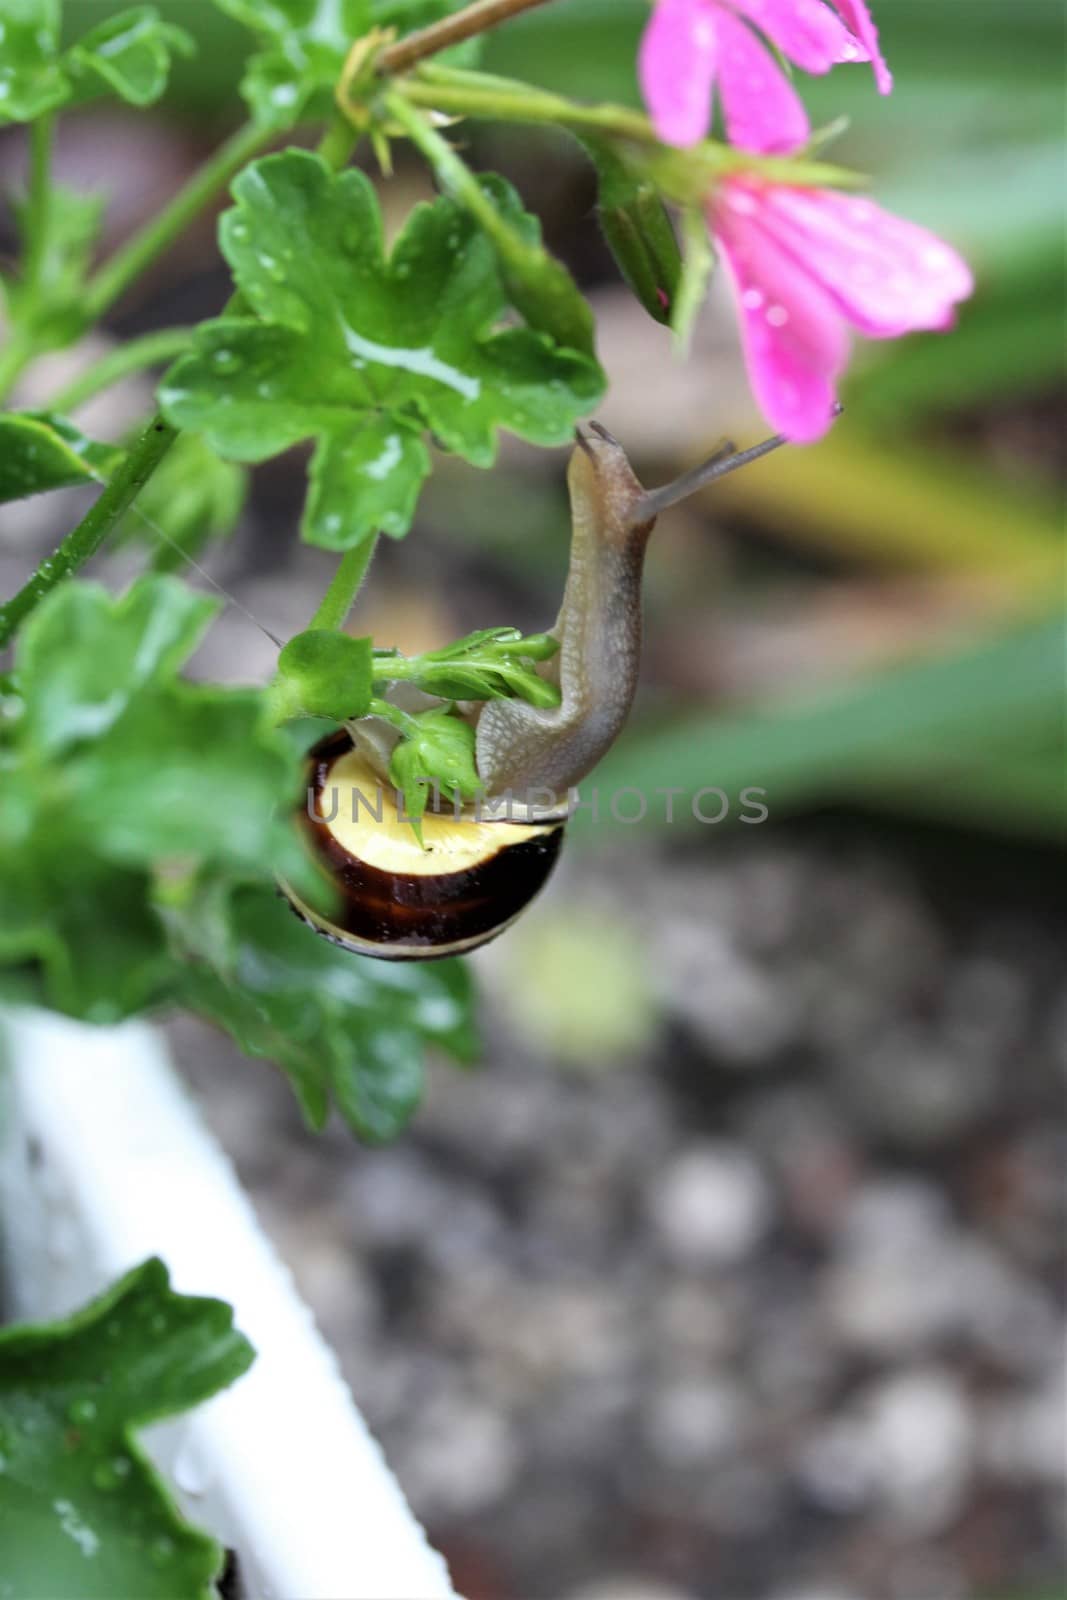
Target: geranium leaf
128, 54
346, 1029
82, 1510
39, 451
362, 352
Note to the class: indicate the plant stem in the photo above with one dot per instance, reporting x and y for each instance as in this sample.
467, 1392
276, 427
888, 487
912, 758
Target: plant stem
463, 95
38, 218
127, 264
685, 175
149, 350
84, 540
344, 586
337, 143
466, 24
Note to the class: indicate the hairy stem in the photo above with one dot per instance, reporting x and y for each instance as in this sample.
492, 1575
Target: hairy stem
85, 540
127, 264
150, 350
461, 25
344, 586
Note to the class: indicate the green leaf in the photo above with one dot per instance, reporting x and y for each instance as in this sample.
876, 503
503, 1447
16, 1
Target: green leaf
638, 231
192, 498
128, 54
348, 340
915, 726
31, 82
326, 674
39, 451
116, 771
306, 45
538, 286
82, 1511
345, 1029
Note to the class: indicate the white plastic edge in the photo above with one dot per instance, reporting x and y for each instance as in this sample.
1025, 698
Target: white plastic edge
103, 1162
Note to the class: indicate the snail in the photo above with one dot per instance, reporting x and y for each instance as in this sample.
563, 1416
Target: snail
475, 871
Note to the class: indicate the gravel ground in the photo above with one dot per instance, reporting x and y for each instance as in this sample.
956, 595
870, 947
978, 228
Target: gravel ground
762, 1299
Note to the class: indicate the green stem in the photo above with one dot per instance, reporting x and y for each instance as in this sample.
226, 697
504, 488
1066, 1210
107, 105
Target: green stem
85, 540
127, 264
684, 174
150, 350
40, 198
337, 143
456, 177
344, 586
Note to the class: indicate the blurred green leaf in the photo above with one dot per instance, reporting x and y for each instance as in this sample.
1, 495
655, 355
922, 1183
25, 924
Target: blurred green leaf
114, 770
40, 451
129, 54
345, 1029
82, 1511
31, 82
306, 44
348, 350
918, 724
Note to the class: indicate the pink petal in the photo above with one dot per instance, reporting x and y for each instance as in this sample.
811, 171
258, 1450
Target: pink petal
762, 110
806, 31
886, 275
859, 21
794, 339
676, 66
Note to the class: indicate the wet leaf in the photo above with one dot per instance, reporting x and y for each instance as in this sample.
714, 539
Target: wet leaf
349, 346
82, 1511
39, 451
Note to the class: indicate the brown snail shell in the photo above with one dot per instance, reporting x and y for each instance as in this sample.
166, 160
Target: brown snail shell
398, 900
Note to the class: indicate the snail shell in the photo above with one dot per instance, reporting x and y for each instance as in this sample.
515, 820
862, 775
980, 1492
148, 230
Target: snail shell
395, 899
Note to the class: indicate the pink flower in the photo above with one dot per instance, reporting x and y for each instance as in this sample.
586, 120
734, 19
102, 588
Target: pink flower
806, 263
689, 45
